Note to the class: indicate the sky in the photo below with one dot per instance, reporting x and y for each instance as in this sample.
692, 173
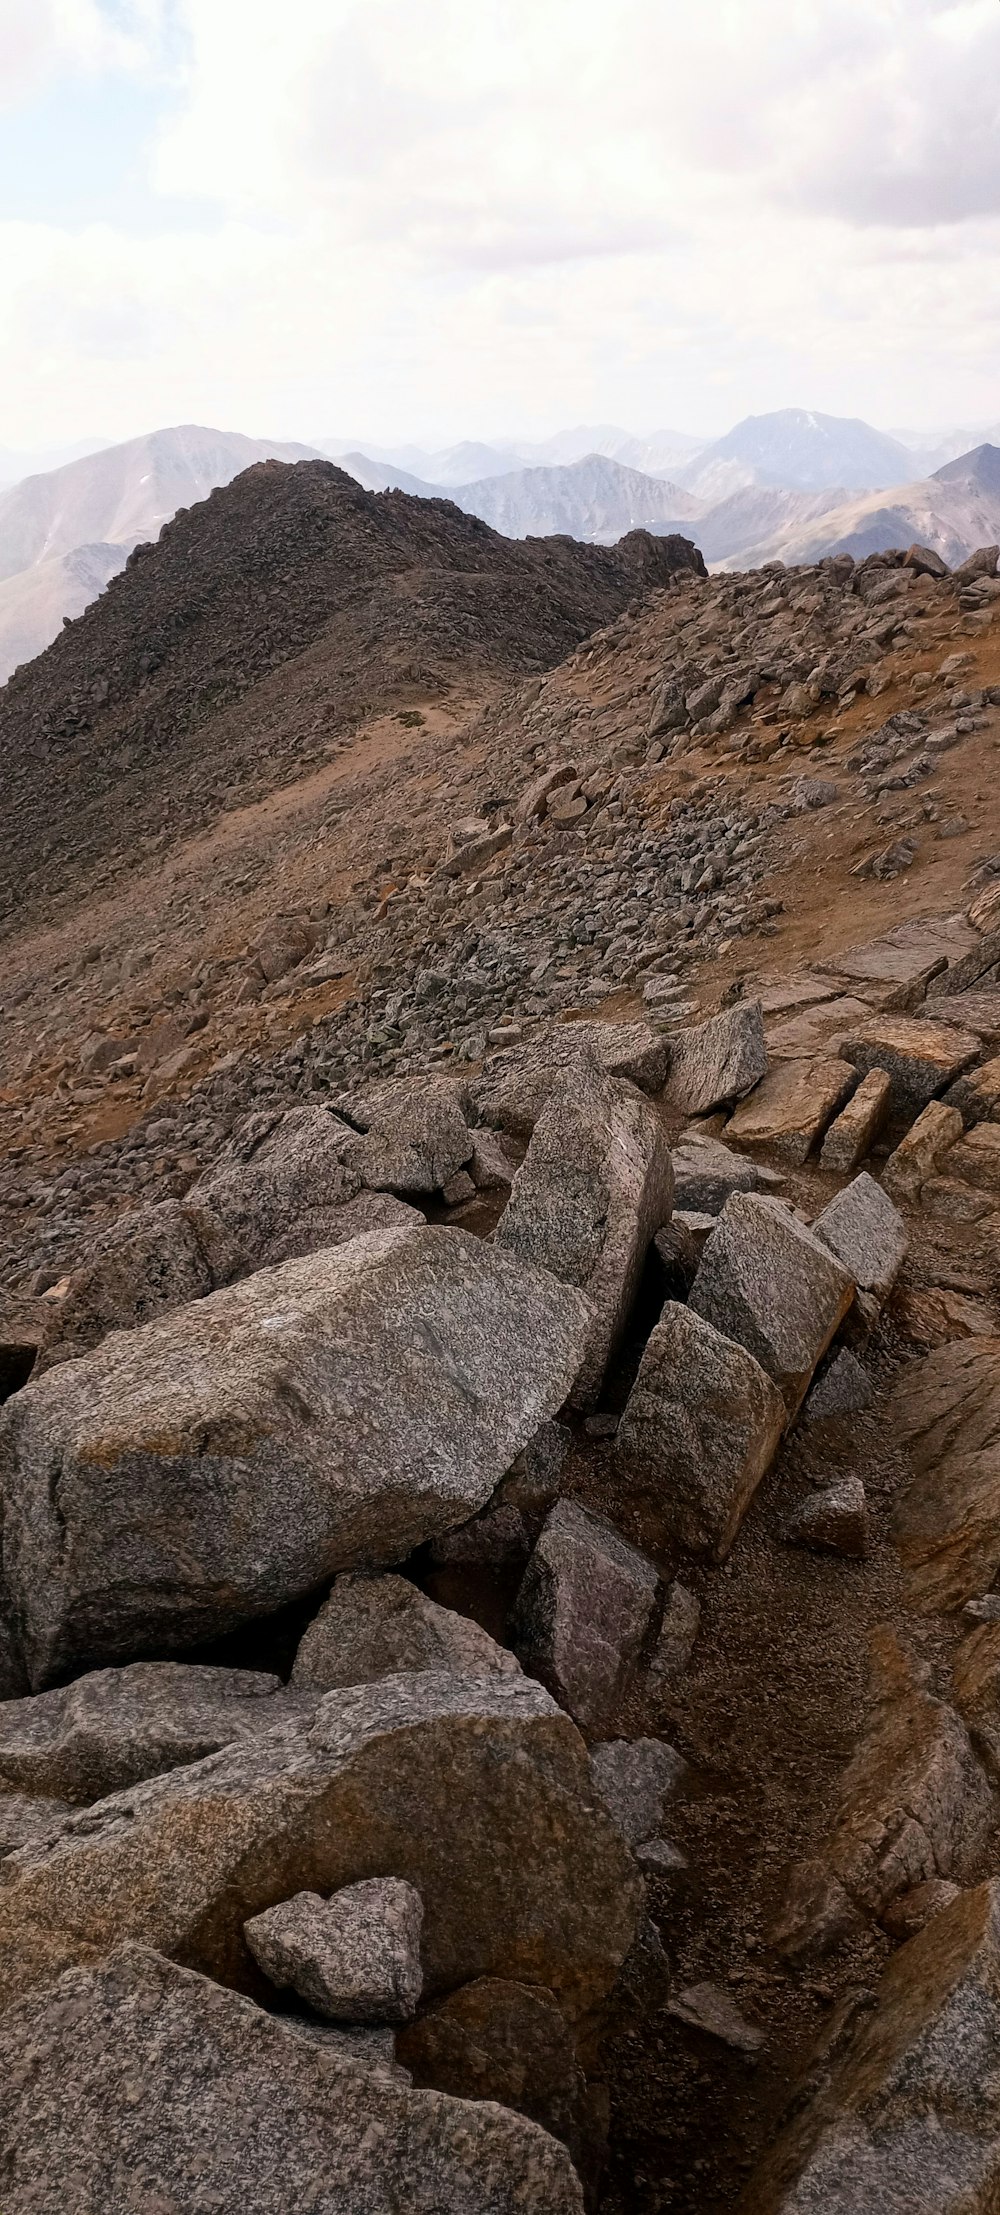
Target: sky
434, 219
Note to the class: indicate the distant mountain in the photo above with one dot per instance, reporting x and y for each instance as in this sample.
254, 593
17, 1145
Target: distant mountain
734, 525
799, 451
593, 499
953, 511
16, 463
64, 533
383, 476
407, 466
35, 602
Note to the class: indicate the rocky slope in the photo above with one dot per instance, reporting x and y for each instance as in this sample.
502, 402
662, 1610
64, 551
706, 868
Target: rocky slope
500, 1349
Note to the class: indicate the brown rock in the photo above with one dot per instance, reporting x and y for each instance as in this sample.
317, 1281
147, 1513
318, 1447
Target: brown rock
917, 1156
789, 1110
946, 1412
585, 1607
702, 1424
497, 2040
373, 1627
920, 1057
852, 1134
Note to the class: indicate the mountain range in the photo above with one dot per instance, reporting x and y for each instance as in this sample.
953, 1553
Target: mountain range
791, 486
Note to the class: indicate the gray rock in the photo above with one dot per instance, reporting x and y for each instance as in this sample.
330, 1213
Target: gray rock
834, 1521
24, 1819
867, 1233
514, 1086
845, 1388
719, 1061
595, 1185
676, 1250
702, 1424
635, 1777
584, 1609
706, 2007
775, 1288
706, 1172
112, 1728
373, 1627
139, 1267
329, 1414
905, 2121
371, 1211
138, 2085
477, 1791
354, 1957
414, 1135
678, 1630
276, 1171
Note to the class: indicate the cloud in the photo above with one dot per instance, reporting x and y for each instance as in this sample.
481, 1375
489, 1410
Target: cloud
40, 39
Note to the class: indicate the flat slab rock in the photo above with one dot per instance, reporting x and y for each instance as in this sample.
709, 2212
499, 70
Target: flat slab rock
854, 1131
702, 1424
595, 1185
906, 958
905, 2121
476, 1791
867, 1233
921, 1057
789, 1110
706, 1172
354, 1957
136, 2084
328, 1414
770, 1284
945, 1413
114, 1727
717, 1061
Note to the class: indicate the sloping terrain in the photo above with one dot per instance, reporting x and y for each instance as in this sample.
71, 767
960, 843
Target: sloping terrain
954, 511
718, 880
37, 601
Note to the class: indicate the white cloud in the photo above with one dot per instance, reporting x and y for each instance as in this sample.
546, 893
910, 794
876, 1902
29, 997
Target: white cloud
433, 219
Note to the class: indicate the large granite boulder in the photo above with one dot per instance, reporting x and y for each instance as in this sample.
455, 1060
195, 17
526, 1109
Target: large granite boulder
137, 2085
328, 1414
137, 1268
477, 1791
920, 1057
276, 1169
595, 1185
905, 2122
584, 1610
702, 1424
718, 1061
867, 1233
374, 1627
945, 1412
514, 1085
788, 1112
114, 1727
408, 1134
769, 1283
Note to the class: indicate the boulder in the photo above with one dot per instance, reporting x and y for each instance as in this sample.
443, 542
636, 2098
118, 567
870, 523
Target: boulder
585, 1607
845, 1388
138, 1267
977, 1692
410, 1135
770, 1284
920, 1057
514, 1085
977, 1094
867, 1233
914, 1802
595, 1185
477, 1791
672, 1652
853, 1132
702, 1424
976, 1158
497, 2040
934, 1315
635, 1777
334, 1226
718, 1061
905, 2120
328, 1414
373, 1627
276, 1170
112, 1728
135, 2084
894, 971
789, 1110
834, 1520
25, 1819
706, 1172
354, 1957
917, 1156
945, 1413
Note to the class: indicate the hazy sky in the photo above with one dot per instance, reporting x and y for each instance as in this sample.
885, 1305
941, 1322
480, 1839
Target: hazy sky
434, 218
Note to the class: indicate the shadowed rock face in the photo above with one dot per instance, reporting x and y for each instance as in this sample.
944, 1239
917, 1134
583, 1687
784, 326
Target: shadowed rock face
330, 1413
477, 1792
137, 2083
